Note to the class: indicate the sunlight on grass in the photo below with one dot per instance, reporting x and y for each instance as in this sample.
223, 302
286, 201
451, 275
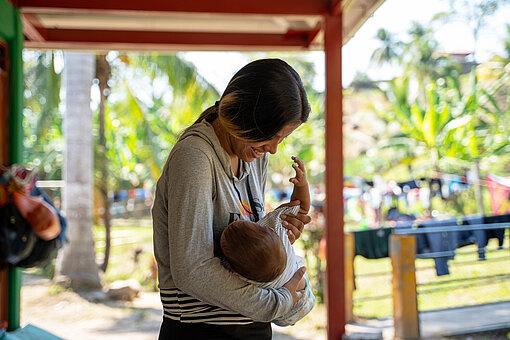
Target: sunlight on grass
468, 284
131, 254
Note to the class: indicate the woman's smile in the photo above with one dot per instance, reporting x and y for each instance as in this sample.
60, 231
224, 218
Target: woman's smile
257, 153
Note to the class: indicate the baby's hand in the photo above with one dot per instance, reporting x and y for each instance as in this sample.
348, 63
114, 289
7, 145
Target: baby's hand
300, 179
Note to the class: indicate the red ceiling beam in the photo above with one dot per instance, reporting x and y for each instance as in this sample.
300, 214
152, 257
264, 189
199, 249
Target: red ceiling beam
314, 33
57, 37
309, 35
336, 7
269, 7
32, 28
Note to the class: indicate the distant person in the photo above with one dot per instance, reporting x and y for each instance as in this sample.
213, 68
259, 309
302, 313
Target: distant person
216, 174
261, 253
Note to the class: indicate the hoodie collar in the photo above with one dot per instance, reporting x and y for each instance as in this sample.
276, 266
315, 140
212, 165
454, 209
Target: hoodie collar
205, 131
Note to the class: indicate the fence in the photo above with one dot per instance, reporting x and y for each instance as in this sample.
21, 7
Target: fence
403, 253
133, 203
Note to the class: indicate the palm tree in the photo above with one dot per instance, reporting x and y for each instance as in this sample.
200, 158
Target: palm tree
486, 125
43, 144
506, 43
464, 124
473, 12
389, 51
418, 57
77, 260
153, 99
424, 124
138, 133
420, 123
103, 72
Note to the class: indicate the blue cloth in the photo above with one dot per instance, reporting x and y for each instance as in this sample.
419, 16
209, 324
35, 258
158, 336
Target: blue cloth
302, 307
449, 241
438, 242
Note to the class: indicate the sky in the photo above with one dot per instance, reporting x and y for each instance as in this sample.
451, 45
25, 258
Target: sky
393, 15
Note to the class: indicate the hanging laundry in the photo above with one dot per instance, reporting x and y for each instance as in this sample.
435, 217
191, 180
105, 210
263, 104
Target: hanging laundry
474, 236
438, 242
372, 243
427, 244
499, 190
497, 233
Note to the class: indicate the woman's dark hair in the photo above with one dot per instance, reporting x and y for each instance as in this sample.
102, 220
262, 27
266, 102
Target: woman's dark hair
260, 99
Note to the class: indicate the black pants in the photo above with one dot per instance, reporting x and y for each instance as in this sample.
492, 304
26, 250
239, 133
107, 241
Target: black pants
175, 330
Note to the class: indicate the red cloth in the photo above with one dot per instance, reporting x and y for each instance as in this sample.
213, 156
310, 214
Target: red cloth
499, 188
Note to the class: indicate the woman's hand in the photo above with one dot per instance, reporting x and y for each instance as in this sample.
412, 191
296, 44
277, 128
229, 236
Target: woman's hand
292, 285
294, 224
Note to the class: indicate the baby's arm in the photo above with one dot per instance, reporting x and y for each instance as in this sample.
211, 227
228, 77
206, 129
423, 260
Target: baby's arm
301, 191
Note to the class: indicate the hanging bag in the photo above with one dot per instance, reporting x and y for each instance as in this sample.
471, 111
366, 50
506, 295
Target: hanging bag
31, 229
17, 239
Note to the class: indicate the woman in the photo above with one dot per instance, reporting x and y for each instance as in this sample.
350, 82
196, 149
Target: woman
216, 174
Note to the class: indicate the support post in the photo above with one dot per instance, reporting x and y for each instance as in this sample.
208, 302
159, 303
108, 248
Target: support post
405, 305
14, 299
14, 145
349, 276
4, 288
335, 290
4, 160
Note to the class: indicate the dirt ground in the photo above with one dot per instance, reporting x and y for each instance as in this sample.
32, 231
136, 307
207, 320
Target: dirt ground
73, 316
69, 315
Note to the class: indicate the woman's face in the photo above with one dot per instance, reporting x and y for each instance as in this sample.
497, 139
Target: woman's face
250, 151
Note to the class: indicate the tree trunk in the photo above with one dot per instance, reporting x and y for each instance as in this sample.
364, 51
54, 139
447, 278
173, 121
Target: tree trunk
478, 187
103, 75
434, 159
76, 262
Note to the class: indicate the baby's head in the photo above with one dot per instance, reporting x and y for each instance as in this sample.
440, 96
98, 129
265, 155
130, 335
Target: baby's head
253, 251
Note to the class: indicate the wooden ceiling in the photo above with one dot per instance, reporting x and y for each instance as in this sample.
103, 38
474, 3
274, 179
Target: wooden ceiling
225, 25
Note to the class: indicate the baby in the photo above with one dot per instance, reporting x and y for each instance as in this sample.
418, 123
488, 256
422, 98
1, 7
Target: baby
262, 254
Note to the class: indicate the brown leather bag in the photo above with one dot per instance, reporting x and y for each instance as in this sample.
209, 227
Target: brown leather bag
40, 215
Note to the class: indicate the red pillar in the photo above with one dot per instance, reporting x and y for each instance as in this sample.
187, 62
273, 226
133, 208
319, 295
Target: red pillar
335, 288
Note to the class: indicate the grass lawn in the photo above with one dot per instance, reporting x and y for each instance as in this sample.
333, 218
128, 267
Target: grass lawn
464, 286
131, 255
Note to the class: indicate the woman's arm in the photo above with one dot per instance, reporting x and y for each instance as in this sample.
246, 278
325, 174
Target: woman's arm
194, 268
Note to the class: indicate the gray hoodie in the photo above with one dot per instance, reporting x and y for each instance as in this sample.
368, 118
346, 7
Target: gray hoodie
195, 199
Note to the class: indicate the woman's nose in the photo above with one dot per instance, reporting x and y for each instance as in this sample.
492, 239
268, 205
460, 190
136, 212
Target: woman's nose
271, 147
